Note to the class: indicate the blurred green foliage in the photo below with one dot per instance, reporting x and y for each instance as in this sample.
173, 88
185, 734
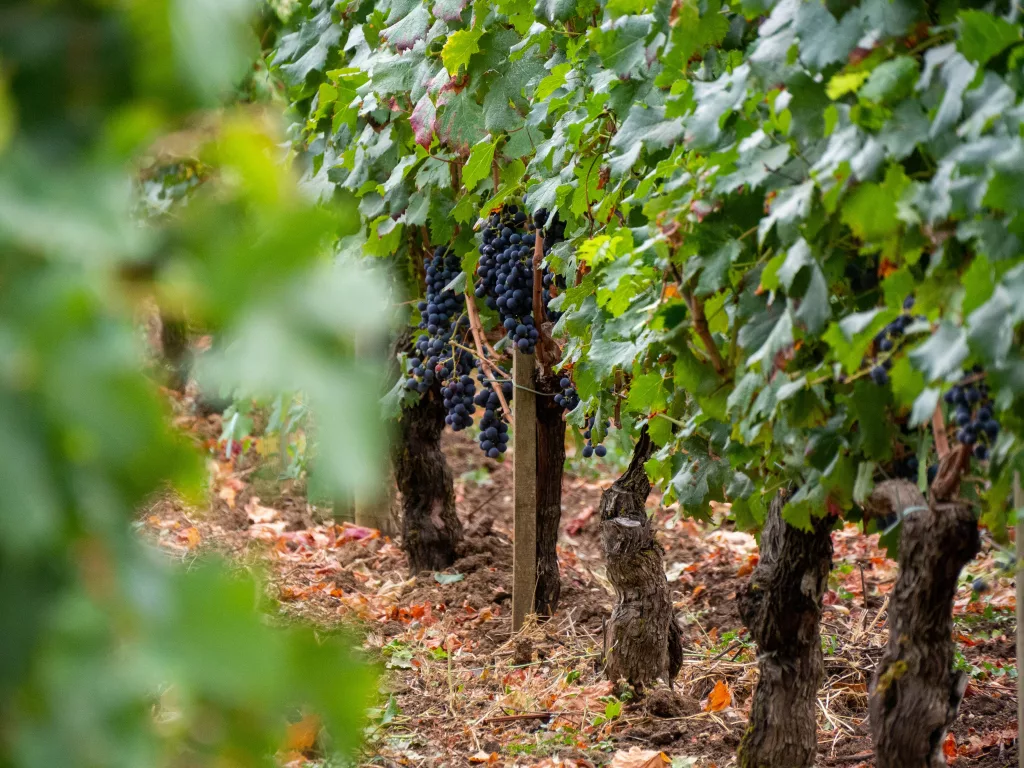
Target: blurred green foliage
109, 655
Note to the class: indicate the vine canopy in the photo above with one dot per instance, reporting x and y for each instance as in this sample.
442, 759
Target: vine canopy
791, 226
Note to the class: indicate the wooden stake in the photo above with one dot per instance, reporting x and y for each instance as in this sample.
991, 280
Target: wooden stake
373, 510
1018, 504
371, 507
524, 484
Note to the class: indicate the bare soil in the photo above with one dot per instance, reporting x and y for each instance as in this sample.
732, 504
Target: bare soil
459, 689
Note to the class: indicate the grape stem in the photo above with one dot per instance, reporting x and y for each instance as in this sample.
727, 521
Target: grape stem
939, 432
700, 324
491, 367
478, 334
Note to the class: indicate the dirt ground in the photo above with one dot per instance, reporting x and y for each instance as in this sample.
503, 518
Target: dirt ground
458, 689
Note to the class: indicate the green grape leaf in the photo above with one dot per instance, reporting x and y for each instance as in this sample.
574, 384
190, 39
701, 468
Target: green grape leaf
647, 125
404, 33
924, 407
554, 10
646, 393
891, 81
478, 167
983, 36
942, 354
449, 10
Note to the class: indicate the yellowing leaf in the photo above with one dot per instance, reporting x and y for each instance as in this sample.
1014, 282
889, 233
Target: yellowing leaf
479, 165
844, 83
720, 697
459, 47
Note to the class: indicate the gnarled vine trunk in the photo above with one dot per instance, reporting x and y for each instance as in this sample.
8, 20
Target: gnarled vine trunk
782, 609
550, 465
431, 530
915, 694
174, 339
642, 640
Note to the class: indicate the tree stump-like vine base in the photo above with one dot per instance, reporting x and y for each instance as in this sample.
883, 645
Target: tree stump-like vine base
643, 641
915, 694
782, 609
431, 530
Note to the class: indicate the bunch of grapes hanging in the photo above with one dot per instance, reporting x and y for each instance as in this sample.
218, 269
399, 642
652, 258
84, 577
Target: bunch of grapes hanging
888, 341
493, 427
505, 275
553, 233
442, 355
973, 414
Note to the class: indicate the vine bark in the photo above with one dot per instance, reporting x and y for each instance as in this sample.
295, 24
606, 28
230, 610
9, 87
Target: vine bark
782, 609
915, 693
431, 531
174, 338
550, 465
643, 641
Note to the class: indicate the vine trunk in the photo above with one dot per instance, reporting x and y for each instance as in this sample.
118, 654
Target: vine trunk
643, 641
782, 609
175, 342
915, 694
550, 465
431, 531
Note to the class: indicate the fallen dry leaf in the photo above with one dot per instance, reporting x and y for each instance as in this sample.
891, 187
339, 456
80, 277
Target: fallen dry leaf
719, 698
257, 513
301, 736
949, 747
634, 757
747, 567
575, 525
190, 537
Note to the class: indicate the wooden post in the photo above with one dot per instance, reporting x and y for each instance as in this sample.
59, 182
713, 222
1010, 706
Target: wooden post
343, 510
524, 493
1018, 505
373, 510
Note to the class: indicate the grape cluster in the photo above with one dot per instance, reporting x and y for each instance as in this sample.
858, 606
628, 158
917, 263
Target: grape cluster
493, 428
907, 468
459, 401
973, 413
568, 398
438, 359
590, 449
554, 233
505, 275
889, 339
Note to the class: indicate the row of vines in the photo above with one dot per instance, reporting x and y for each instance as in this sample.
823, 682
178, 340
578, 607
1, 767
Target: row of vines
776, 243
